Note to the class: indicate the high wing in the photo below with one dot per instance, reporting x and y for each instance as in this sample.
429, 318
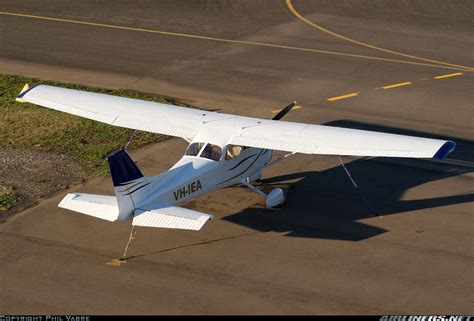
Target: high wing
117, 111
253, 132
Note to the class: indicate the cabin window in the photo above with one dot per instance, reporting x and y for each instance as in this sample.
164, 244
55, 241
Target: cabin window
211, 151
234, 151
194, 149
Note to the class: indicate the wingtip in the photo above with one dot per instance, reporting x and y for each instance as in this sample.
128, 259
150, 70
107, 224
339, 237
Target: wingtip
19, 98
444, 150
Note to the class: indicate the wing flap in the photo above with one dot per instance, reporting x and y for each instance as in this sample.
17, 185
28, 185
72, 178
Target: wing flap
101, 206
168, 216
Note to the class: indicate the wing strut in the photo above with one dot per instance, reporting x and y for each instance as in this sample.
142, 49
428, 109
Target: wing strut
366, 201
130, 139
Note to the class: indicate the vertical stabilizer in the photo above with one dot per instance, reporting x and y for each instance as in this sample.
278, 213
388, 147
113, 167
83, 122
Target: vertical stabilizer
131, 187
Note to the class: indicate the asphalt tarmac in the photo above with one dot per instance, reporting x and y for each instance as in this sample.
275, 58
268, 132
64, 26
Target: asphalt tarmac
395, 66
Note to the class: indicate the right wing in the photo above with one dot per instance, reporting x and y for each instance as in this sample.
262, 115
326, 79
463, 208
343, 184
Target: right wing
328, 140
117, 111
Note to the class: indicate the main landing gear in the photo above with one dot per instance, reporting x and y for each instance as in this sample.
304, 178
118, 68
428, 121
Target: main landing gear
275, 198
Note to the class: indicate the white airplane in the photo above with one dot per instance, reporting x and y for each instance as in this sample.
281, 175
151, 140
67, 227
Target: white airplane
223, 150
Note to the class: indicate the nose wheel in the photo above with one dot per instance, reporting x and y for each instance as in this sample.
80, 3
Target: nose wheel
275, 198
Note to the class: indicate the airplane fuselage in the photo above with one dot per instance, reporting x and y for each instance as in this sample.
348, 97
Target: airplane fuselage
194, 176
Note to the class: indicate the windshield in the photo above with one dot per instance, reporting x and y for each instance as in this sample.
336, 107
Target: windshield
213, 152
209, 151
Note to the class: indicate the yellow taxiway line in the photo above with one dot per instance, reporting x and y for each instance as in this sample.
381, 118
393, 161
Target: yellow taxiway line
343, 97
278, 110
320, 28
397, 85
448, 75
244, 42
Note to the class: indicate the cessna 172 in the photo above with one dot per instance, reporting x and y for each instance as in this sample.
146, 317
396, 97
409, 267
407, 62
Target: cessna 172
223, 150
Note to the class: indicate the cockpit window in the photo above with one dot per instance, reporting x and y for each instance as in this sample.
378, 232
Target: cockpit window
234, 151
194, 149
211, 151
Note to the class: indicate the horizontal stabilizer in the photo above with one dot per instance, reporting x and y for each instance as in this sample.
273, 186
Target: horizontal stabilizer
100, 206
169, 216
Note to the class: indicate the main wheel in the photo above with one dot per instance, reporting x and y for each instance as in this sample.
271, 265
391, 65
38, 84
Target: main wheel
275, 198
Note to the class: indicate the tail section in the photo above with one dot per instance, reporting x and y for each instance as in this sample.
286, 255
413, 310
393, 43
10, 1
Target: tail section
131, 187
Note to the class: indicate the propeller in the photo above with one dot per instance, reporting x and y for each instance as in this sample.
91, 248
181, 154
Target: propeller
284, 111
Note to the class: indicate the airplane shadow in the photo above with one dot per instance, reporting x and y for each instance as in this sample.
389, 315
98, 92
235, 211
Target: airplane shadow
325, 204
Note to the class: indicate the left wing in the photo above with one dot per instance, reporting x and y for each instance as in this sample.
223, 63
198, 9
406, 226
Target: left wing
117, 111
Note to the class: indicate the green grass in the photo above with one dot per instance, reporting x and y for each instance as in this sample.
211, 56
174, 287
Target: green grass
7, 199
26, 126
